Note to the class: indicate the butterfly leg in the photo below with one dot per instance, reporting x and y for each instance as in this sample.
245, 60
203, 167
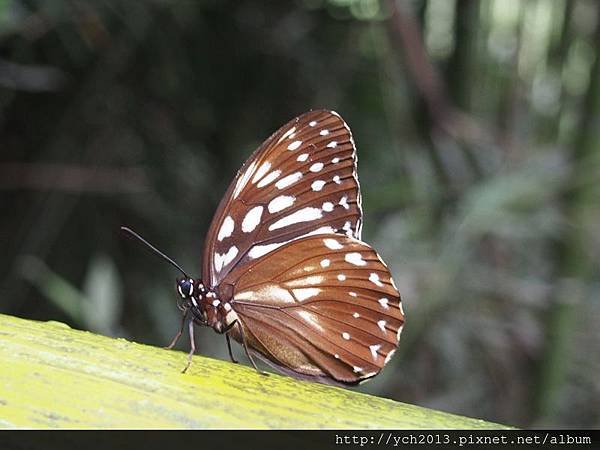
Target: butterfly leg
193, 345
245, 345
226, 331
233, 360
179, 333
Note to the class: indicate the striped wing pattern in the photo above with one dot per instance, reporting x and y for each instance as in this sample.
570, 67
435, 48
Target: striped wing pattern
323, 307
301, 181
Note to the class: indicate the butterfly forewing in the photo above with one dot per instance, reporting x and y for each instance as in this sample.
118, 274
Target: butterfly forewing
323, 306
301, 181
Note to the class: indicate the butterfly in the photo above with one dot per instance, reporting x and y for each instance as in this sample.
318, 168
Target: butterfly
285, 273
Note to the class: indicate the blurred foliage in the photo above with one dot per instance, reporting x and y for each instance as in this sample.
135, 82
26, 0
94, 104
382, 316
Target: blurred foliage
477, 132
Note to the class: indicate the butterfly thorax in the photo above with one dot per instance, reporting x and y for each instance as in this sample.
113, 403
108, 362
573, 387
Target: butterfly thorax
208, 308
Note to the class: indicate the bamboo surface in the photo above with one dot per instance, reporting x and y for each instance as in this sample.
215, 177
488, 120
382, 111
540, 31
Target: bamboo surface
52, 376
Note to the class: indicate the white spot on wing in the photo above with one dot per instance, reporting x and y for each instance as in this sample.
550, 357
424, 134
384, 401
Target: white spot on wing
287, 181
287, 133
252, 219
374, 349
384, 302
353, 294
321, 230
231, 253
344, 202
317, 185
357, 369
374, 278
312, 123
381, 324
262, 170
389, 356
269, 178
355, 258
325, 263
221, 260
332, 244
356, 315
294, 145
243, 180
336, 179
259, 250
226, 228
341, 277
304, 293
335, 160
332, 144
327, 206
316, 167
302, 215
303, 157
346, 336
366, 376
324, 132
280, 203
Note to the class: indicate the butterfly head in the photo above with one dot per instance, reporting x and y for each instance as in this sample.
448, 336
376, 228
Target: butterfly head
203, 303
194, 295
191, 290
185, 287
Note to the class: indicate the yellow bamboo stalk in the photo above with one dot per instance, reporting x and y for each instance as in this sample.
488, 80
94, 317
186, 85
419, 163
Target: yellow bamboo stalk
52, 376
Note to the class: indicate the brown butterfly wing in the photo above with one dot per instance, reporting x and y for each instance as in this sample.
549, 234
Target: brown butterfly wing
301, 181
323, 306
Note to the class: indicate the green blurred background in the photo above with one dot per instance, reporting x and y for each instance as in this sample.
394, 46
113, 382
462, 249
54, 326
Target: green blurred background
476, 124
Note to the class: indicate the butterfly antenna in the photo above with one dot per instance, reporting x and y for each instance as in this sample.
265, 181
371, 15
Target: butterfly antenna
155, 250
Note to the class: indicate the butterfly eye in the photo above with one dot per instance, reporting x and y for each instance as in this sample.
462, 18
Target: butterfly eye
185, 287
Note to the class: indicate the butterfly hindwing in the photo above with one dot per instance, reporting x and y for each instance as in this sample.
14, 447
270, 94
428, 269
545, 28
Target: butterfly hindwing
301, 181
323, 306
